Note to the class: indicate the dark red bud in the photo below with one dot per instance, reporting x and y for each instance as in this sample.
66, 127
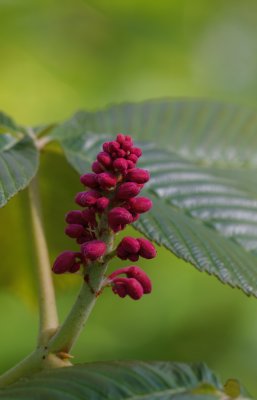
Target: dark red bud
138, 175
126, 145
74, 217
74, 268
140, 204
97, 167
89, 180
130, 164
120, 153
102, 203
104, 159
122, 253
87, 236
133, 158
120, 164
114, 146
133, 288
86, 199
141, 277
130, 244
127, 190
119, 216
147, 250
74, 230
93, 250
120, 138
65, 261
137, 151
106, 180
89, 216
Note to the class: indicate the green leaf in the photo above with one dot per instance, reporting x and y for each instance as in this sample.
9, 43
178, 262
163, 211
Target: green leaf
18, 159
203, 162
121, 380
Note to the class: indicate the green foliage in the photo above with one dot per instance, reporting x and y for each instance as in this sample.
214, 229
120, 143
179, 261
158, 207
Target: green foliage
122, 380
18, 159
202, 159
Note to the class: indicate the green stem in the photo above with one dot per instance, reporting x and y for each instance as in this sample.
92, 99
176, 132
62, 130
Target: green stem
48, 318
69, 331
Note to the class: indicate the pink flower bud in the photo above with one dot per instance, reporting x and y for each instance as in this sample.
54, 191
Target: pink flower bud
120, 138
133, 158
120, 153
140, 204
89, 180
120, 289
102, 203
133, 288
138, 175
89, 216
86, 199
138, 274
106, 180
87, 236
113, 146
93, 250
65, 261
104, 159
147, 250
130, 164
119, 216
74, 217
97, 167
137, 151
120, 164
127, 190
74, 268
74, 230
126, 146
130, 244
122, 253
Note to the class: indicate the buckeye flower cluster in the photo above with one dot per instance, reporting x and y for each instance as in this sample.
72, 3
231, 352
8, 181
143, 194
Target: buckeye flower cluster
110, 203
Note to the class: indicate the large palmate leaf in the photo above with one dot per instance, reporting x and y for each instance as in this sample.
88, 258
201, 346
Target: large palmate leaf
18, 159
203, 162
125, 380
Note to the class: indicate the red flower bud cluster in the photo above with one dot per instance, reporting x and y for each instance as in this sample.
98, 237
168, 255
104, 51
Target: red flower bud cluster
131, 249
110, 202
135, 284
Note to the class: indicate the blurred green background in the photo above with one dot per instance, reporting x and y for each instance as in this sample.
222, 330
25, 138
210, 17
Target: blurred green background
58, 56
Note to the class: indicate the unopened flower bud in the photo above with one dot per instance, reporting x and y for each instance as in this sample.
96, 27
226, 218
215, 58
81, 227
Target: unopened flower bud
74, 217
133, 288
89, 180
140, 204
133, 158
106, 180
86, 199
65, 261
89, 216
137, 151
93, 250
127, 190
74, 230
138, 175
97, 167
130, 244
147, 250
102, 203
120, 153
119, 216
130, 164
138, 274
120, 164
74, 268
120, 138
104, 159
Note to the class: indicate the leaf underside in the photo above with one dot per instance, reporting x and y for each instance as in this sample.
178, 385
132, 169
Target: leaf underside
203, 162
18, 159
120, 380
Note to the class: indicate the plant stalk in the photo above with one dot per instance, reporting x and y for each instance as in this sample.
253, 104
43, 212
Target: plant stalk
48, 318
67, 334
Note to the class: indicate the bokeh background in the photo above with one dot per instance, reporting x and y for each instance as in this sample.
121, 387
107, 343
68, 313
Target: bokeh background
58, 56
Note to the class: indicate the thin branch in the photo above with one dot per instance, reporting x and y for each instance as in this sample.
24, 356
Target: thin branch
48, 318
